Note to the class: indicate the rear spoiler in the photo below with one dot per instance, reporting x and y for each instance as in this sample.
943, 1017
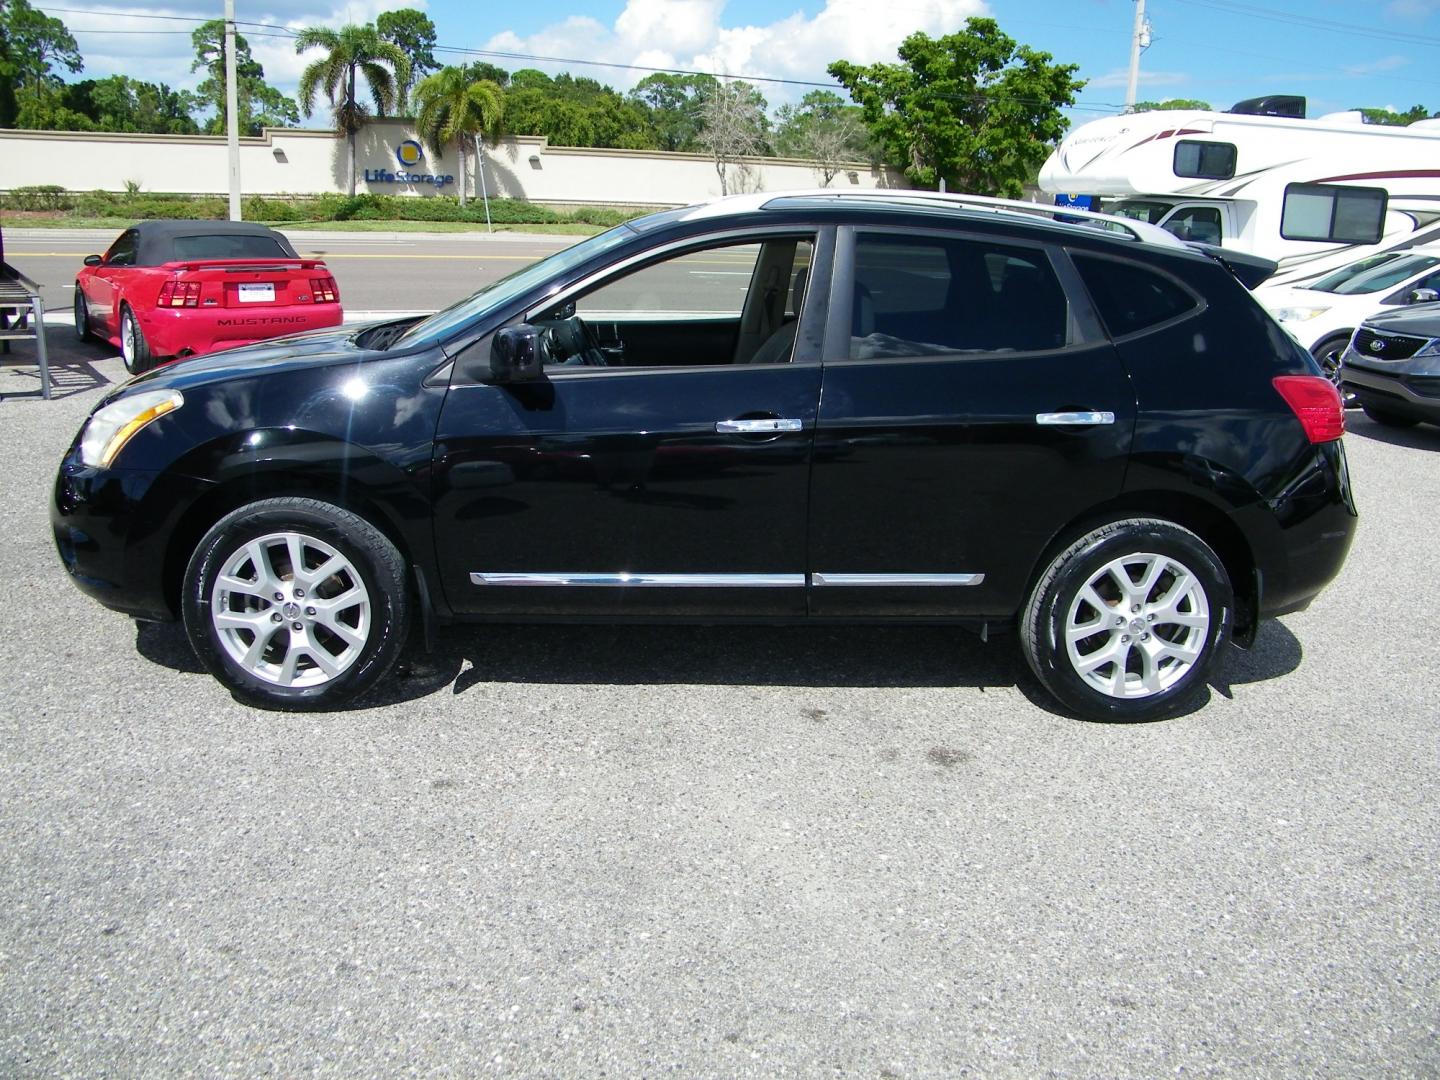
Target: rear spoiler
237, 266
1249, 270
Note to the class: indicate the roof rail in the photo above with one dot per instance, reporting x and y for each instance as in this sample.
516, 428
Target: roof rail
1133, 230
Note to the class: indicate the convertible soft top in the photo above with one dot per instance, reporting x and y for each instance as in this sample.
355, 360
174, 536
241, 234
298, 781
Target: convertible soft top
165, 241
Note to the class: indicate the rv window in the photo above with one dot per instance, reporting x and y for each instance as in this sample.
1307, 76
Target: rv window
1333, 214
1205, 160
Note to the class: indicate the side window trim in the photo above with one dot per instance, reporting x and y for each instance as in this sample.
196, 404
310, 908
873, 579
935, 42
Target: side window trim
1082, 324
1201, 304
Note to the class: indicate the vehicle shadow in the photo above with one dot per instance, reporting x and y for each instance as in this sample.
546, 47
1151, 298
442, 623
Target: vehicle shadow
1423, 437
841, 656
71, 362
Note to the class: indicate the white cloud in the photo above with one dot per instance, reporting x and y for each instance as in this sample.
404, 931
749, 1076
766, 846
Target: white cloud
690, 34
1377, 67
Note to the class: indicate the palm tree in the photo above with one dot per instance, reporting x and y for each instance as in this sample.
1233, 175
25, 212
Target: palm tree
455, 107
351, 49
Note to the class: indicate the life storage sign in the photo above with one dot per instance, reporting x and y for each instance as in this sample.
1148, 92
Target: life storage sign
409, 154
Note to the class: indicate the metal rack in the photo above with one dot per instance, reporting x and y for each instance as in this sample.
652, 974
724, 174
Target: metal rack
22, 315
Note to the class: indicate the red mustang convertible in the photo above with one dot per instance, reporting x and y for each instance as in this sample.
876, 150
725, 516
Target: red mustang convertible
168, 289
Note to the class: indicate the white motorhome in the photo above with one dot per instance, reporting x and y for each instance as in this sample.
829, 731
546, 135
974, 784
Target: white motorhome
1310, 194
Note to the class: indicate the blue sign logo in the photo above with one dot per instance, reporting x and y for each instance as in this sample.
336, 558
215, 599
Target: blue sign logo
409, 153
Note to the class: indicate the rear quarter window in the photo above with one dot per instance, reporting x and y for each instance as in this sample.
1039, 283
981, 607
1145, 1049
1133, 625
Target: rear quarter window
229, 247
1131, 298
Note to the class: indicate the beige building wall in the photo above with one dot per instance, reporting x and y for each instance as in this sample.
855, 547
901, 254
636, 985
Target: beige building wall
300, 162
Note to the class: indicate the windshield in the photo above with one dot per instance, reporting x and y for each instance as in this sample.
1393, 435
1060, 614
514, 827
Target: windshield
1140, 210
501, 292
1374, 274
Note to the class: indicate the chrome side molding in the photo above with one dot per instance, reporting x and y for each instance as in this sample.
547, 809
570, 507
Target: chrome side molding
644, 581
1058, 419
767, 426
897, 579
719, 581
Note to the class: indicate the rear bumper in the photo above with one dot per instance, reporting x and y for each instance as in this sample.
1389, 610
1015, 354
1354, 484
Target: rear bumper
202, 330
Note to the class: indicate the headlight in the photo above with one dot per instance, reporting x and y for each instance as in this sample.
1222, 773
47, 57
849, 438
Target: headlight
1430, 348
107, 432
1298, 314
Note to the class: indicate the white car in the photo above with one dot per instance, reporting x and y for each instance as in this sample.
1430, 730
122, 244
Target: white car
1324, 313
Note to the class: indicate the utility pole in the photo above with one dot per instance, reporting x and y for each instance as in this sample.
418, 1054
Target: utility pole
232, 110
1139, 42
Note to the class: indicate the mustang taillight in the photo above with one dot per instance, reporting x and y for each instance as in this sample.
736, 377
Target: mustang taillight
1316, 404
324, 291
179, 294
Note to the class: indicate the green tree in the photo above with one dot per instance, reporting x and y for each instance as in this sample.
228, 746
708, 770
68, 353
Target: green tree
352, 53
32, 45
675, 103
973, 108
258, 103
412, 33
574, 111
822, 129
120, 103
454, 108
1396, 119
1173, 104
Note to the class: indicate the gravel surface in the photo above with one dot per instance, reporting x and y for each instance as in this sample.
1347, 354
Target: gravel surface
739, 852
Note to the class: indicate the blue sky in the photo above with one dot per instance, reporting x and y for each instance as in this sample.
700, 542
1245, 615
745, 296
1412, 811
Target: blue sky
1339, 54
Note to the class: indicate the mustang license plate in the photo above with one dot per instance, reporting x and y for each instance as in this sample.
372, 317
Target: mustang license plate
258, 293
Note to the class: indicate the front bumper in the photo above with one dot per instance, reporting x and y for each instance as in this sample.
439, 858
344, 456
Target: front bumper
1408, 387
112, 529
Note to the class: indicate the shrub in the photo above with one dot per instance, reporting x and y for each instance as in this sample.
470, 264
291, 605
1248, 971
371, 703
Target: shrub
40, 197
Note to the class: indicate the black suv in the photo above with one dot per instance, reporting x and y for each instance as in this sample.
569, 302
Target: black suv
793, 408
1392, 366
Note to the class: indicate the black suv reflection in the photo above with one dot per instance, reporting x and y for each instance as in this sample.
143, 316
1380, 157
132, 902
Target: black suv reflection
790, 408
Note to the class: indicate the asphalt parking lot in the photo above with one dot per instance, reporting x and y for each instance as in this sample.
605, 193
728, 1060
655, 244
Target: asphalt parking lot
739, 852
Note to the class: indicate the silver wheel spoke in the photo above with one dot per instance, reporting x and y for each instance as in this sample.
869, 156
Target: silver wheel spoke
329, 607
1115, 652
256, 650
1084, 630
233, 584
329, 568
258, 621
345, 633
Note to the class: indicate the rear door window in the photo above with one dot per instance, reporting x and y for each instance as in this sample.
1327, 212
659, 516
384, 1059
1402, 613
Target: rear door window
1130, 297
920, 296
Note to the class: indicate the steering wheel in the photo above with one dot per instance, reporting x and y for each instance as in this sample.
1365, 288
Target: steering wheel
571, 343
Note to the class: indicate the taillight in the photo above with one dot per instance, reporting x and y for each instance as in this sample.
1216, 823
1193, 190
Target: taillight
179, 294
1316, 404
324, 291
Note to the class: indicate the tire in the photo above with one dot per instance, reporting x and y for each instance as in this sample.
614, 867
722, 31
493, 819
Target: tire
1327, 354
255, 624
82, 316
134, 349
1150, 648
1385, 418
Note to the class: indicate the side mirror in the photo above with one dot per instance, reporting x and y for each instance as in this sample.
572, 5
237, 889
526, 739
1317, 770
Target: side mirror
1423, 296
93, 260
517, 354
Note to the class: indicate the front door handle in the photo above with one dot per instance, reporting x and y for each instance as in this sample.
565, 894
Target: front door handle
1078, 417
768, 426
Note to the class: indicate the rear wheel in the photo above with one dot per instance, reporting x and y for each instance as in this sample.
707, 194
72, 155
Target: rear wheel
1125, 623
134, 349
296, 604
1386, 418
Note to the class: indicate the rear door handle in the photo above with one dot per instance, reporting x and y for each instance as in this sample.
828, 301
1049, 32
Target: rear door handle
1062, 419
768, 426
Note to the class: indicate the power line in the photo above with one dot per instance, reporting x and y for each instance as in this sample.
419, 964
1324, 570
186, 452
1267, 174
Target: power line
1233, 7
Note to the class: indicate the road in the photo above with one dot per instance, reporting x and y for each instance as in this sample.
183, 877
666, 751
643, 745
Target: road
570, 851
376, 272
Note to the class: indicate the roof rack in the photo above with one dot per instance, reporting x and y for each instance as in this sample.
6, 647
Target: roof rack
1131, 229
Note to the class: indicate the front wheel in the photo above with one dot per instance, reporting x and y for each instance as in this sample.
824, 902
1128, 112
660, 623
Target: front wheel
1327, 354
296, 604
82, 316
1125, 623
